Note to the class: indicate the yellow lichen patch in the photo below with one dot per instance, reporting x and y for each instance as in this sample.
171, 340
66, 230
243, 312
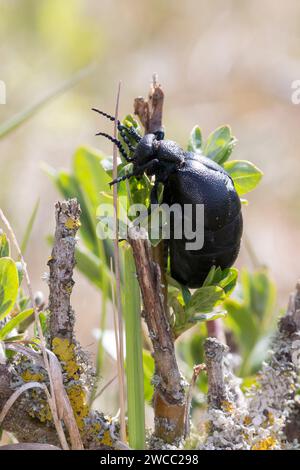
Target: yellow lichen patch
208, 427
271, 418
247, 421
96, 427
65, 353
72, 224
28, 376
77, 399
106, 439
227, 406
43, 413
265, 444
269, 421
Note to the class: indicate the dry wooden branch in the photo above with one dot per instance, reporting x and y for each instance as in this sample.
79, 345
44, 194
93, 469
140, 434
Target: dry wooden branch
150, 111
169, 396
196, 371
169, 399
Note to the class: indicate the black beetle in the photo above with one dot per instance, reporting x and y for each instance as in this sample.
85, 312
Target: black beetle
189, 178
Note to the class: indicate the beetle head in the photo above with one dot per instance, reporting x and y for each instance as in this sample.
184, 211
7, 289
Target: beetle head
145, 149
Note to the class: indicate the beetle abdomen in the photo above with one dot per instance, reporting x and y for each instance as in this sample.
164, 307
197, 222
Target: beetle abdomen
190, 267
201, 181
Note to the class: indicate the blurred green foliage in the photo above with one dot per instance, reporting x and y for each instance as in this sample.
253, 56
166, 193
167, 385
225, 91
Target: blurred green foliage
15, 306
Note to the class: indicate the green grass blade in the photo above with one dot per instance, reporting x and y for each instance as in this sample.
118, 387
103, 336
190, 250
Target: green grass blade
14, 322
134, 354
29, 227
21, 117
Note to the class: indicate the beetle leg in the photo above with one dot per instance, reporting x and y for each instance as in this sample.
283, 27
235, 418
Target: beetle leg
149, 167
122, 178
154, 195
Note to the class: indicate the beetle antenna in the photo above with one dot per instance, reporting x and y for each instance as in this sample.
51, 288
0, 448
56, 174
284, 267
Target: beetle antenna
121, 178
126, 140
118, 144
131, 131
111, 118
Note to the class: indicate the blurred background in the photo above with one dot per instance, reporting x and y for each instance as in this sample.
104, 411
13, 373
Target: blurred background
219, 63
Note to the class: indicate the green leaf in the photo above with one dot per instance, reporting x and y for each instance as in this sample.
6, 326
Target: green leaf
9, 285
251, 317
43, 316
242, 324
4, 245
90, 175
225, 278
69, 187
219, 145
91, 266
134, 353
214, 315
14, 322
149, 367
228, 282
204, 300
195, 140
29, 227
129, 122
245, 175
186, 294
20, 269
210, 277
262, 294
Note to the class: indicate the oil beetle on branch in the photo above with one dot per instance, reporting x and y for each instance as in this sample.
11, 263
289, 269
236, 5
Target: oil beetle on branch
188, 178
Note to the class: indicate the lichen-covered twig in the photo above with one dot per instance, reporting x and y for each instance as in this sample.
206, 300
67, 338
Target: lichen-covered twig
214, 354
272, 402
226, 409
263, 419
30, 418
61, 265
53, 398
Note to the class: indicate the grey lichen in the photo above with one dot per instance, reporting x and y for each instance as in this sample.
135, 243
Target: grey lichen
259, 420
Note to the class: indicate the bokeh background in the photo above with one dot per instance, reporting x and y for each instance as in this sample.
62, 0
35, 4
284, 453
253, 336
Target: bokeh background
219, 62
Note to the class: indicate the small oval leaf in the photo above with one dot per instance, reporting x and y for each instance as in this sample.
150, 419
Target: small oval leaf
245, 175
219, 145
9, 285
195, 140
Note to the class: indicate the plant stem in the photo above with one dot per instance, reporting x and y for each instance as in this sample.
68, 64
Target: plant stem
134, 354
118, 279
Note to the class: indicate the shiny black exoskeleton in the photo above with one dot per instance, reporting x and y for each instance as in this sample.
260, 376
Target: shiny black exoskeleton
189, 178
